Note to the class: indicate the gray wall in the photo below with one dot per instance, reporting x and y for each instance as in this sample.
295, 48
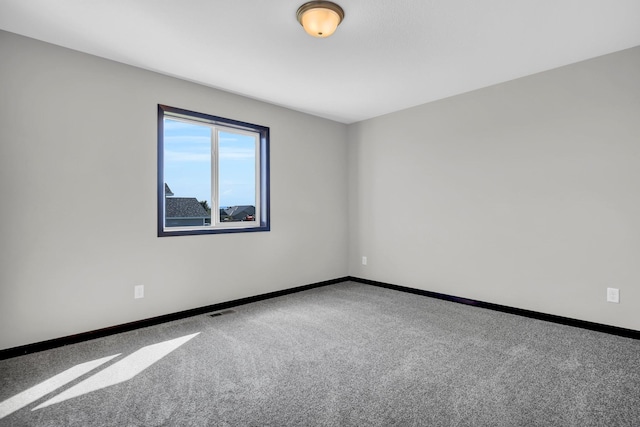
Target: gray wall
525, 194
78, 165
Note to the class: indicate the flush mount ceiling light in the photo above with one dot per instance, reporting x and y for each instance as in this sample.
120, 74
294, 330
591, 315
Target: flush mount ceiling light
320, 18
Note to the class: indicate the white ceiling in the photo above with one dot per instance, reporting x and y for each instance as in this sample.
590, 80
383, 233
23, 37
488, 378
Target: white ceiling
386, 56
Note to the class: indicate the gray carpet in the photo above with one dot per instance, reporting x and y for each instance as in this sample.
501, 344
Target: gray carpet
346, 354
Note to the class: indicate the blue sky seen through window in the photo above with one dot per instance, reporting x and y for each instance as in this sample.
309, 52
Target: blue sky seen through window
187, 163
237, 164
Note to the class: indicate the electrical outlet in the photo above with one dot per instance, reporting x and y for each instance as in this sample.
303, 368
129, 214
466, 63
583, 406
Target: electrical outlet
613, 295
138, 291
364, 260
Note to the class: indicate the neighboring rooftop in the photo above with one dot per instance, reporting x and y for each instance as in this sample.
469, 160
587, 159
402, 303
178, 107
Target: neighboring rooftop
167, 191
184, 207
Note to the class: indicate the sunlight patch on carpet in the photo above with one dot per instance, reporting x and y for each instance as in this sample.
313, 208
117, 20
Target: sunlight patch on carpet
23, 399
120, 371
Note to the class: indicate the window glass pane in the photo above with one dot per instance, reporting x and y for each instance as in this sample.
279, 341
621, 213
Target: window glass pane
237, 176
187, 174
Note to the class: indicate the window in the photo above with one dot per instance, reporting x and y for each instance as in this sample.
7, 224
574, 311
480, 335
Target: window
213, 174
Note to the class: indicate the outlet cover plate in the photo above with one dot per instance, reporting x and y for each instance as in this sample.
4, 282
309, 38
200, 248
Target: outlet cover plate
613, 295
138, 291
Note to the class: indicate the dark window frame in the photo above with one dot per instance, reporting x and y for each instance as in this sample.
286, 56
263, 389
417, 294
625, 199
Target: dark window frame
263, 170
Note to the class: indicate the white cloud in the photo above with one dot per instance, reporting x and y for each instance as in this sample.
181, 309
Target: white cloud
180, 156
228, 139
187, 139
237, 153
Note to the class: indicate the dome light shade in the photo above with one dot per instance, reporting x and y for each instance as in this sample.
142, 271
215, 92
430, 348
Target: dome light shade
320, 18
